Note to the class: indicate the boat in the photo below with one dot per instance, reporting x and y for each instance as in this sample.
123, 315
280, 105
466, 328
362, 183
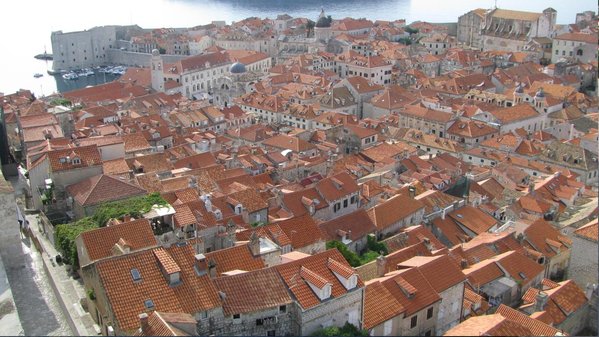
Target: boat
70, 76
38, 75
44, 56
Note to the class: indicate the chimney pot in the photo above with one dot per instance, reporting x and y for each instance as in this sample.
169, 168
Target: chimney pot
143, 322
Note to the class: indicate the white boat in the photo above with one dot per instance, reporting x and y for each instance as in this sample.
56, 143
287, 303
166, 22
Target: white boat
38, 75
70, 76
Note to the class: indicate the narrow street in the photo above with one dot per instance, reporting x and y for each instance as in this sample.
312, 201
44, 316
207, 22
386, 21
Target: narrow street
39, 311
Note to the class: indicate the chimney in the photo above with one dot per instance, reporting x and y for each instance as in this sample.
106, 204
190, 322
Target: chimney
143, 323
412, 191
464, 264
254, 244
212, 268
589, 290
381, 264
427, 243
201, 266
541, 300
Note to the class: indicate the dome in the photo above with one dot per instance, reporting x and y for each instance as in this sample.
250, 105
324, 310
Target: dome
237, 68
519, 89
540, 93
323, 22
155, 52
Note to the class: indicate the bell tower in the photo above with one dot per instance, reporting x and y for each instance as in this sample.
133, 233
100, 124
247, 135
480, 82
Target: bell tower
157, 72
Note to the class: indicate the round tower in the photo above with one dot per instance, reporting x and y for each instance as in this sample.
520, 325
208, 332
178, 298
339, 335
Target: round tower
157, 72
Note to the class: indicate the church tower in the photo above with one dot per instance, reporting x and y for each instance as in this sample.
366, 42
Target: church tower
157, 72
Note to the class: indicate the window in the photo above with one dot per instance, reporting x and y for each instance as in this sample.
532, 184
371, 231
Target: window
413, 322
429, 313
236, 318
428, 333
282, 309
135, 275
579, 52
149, 304
345, 203
336, 207
353, 199
259, 322
271, 333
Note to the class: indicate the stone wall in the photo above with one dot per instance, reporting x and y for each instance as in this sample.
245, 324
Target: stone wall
132, 59
334, 312
583, 263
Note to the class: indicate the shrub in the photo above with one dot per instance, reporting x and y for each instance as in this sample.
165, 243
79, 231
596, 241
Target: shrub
352, 258
376, 246
65, 239
135, 207
348, 330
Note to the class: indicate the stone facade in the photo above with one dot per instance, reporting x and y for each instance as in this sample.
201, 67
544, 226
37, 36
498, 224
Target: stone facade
583, 263
335, 312
450, 308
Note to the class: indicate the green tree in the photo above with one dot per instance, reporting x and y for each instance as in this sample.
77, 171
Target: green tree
310, 28
347, 330
352, 258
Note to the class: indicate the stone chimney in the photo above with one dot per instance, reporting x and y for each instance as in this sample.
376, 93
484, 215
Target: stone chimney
464, 263
143, 323
589, 290
254, 244
200, 264
541, 301
381, 265
212, 268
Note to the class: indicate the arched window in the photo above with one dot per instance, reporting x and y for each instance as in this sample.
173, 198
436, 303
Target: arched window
579, 52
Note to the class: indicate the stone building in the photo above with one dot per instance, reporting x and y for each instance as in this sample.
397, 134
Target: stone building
75, 50
583, 262
469, 26
511, 30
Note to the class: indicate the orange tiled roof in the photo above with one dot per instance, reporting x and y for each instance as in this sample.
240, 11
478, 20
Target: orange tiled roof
379, 305
88, 156
315, 264
252, 291
537, 327
489, 325
393, 210
588, 231
102, 188
98, 242
238, 257
126, 297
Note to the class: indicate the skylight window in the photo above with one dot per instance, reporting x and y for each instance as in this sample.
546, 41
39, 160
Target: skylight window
135, 275
149, 304
522, 276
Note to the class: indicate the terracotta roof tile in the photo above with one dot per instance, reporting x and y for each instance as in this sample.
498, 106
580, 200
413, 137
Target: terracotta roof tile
489, 325
393, 210
99, 242
537, 327
238, 257
411, 289
315, 264
440, 271
126, 297
356, 224
66, 159
379, 305
588, 231
102, 188
252, 291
